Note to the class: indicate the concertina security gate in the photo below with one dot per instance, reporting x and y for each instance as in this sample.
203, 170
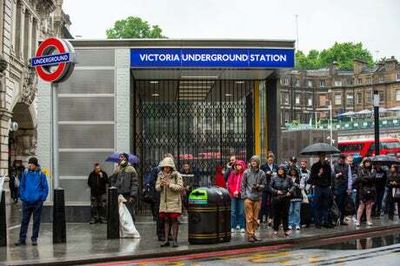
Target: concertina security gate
201, 122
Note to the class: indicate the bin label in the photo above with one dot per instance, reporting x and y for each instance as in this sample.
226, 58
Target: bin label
198, 196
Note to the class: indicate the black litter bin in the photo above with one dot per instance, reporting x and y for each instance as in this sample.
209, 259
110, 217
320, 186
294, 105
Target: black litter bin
209, 221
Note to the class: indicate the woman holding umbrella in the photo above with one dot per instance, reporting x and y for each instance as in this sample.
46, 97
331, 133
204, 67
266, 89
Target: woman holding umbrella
365, 184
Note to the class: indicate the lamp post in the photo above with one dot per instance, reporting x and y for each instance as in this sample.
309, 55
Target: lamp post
376, 121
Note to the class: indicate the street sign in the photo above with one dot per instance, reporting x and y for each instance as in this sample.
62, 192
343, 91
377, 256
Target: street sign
54, 60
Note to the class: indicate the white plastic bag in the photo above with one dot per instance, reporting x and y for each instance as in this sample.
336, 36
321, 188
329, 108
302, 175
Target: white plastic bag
127, 228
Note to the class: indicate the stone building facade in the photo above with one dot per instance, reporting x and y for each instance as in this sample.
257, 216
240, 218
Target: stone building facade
305, 96
23, 23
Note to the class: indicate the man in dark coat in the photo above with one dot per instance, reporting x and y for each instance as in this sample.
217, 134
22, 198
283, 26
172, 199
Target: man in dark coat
341, 185
125, 179
321, 178
270, 169
97, 182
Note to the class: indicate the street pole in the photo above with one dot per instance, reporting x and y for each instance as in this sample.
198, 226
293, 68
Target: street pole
59, 223
330, 128
376, 121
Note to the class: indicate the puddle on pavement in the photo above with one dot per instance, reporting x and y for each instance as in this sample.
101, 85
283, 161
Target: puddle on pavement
363, 243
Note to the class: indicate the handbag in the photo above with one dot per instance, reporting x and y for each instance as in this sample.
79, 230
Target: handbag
305, 197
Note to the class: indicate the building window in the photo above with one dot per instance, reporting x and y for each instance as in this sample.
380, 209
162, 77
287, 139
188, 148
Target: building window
309, 83
381, 79
297, 83
322, 100
338, 99
368, 97
369, 80
398, 77
286, 81
398, 95
349, 99
297, 98
381, 97
309, 100
322, 83
359, 98
359, 81
285, 98
338, 83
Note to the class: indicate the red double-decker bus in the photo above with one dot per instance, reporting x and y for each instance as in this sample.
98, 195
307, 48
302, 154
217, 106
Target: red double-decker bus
366, 147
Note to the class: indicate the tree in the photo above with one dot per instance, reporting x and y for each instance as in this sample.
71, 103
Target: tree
342, 53
134, 27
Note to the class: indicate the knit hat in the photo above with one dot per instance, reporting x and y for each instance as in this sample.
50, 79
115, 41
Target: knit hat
34, 161
168, 162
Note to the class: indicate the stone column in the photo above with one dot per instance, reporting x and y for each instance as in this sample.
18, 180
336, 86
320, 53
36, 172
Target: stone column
5, 117
2, 15
21, 32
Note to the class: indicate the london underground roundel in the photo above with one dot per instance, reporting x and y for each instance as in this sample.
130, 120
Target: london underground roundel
54, 60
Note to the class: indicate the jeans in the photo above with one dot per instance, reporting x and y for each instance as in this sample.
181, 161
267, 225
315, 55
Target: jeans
340, 198
27, 210
323, 197
252, 209
379, 198
281, 213
265, 207
237, 212
294, 213
98, 207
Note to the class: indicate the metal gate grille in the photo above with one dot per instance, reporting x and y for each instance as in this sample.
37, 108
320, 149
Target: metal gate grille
202, 122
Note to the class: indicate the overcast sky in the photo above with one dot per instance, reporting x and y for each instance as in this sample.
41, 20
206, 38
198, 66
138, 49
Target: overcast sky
375, 23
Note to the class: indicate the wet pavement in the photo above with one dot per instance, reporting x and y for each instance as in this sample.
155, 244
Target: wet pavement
86, 241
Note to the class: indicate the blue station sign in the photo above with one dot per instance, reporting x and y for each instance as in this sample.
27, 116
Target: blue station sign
212, 57
50, 60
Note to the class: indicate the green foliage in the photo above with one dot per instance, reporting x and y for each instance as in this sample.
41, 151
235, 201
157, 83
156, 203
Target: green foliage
342, 53
134, 27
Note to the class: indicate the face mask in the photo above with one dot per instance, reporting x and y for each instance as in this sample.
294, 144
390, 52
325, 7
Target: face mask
123, 162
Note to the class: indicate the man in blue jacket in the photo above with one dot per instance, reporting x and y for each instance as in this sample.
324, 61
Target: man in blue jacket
33, 192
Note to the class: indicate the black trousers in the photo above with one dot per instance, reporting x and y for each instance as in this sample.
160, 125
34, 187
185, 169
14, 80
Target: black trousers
281, 213
390, 205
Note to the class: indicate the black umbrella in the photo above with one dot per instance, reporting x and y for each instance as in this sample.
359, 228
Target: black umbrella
385, 159
318, 148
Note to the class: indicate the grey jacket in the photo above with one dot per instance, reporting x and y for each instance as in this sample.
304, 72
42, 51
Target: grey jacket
125, 179
253, 184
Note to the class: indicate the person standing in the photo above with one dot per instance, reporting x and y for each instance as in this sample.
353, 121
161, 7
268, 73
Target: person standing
229, 167
191, 181
33, 191
321, 178
365, 184
170, 184
295, 201
380, 184
281, 187
13, 184
307, 209
125, 179
253, 183
237, 205
270, 169
341, 185
97, 181
393, 195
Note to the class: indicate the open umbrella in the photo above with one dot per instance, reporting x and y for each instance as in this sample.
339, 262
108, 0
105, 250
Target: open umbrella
364, 112
133, 159
318, 148
385, 159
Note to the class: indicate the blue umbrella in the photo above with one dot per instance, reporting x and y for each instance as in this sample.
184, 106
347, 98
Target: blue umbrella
133, 159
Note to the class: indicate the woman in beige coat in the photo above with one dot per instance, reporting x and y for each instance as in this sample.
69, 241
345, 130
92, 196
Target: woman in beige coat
170, 184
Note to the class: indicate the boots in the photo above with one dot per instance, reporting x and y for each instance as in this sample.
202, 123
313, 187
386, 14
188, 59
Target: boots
167, 228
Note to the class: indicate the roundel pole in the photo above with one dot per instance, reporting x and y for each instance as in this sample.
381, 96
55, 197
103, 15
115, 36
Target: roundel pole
54, 63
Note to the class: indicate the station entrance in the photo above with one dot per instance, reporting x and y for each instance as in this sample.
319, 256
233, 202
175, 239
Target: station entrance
200, 122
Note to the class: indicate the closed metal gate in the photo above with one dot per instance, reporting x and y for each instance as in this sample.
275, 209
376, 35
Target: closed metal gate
201, 122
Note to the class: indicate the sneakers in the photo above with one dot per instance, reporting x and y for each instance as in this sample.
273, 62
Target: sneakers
297, 228
369, 223
242, 230
290, 227
233, 230
358, 224
34, 242
275, 232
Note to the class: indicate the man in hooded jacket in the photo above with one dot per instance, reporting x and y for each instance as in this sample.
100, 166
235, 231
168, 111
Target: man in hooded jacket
253, 184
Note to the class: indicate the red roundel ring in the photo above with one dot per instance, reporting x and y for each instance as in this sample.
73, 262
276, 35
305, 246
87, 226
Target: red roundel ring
45, 46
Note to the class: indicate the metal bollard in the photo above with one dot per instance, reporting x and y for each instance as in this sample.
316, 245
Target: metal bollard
112, 214
3, 221
59, 227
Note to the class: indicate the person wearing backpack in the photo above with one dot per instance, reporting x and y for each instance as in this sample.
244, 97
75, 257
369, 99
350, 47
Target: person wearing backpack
33, 191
